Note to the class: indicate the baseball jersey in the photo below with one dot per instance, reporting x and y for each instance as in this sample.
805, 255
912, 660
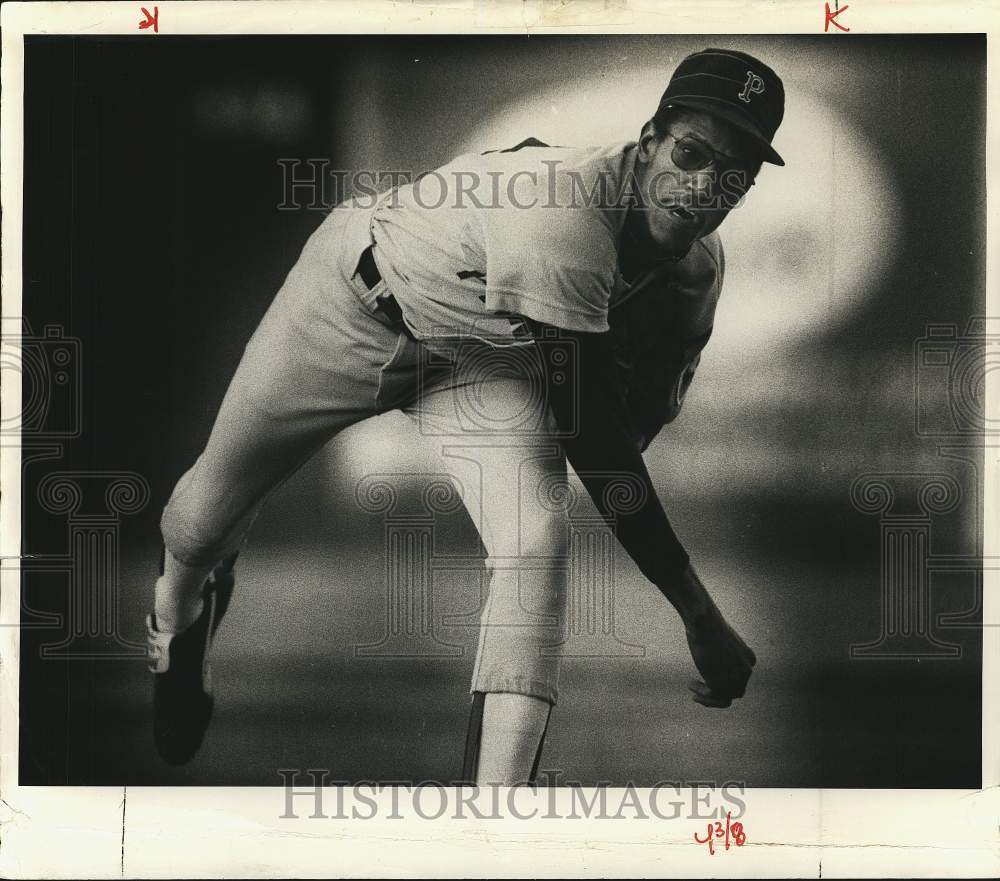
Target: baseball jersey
502, 245
532, 231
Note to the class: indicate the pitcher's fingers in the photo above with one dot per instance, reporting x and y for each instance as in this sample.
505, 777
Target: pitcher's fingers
702, 694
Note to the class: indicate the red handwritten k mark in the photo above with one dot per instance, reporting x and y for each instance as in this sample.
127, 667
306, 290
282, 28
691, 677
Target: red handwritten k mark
154, 19
831, 18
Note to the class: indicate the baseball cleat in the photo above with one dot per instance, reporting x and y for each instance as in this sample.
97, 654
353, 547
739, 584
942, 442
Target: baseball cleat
182, 684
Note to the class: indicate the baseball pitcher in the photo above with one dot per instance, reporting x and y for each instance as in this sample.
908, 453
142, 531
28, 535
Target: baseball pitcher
567, 290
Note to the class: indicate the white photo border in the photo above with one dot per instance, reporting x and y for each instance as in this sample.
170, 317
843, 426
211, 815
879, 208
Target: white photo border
218, 832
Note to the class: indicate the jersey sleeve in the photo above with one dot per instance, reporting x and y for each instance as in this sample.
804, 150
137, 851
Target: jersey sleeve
548, 259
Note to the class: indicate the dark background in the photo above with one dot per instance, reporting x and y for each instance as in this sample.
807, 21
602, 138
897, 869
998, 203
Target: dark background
152, 236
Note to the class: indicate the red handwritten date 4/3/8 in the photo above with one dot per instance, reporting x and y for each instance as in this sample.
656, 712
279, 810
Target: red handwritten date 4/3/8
732, 834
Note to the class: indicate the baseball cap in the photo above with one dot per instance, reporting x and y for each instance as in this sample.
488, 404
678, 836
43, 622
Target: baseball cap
734, 86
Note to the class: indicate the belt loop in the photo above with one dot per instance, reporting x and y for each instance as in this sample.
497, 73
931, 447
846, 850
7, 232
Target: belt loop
384, 302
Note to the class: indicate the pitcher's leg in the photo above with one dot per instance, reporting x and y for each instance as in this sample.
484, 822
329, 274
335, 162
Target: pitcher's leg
317, 363
313, 367
506, 468
517, 662
213, 505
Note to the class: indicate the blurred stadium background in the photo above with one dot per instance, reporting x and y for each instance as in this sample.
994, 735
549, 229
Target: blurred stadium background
152, 234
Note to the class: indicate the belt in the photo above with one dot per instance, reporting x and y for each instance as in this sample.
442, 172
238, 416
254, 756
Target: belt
371, 277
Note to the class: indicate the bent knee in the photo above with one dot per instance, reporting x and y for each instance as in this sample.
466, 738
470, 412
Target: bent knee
197, 539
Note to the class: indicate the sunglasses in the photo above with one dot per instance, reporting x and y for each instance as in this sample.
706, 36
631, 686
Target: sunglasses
691, 154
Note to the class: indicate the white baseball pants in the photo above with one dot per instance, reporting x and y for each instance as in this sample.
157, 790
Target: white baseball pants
324, 358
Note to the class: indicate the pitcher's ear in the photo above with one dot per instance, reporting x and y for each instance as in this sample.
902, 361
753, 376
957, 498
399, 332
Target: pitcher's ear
649, 137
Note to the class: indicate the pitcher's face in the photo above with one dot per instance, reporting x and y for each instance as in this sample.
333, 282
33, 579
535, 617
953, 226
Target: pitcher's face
691, 177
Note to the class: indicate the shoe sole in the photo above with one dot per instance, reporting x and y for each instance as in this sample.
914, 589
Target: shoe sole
183, 710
